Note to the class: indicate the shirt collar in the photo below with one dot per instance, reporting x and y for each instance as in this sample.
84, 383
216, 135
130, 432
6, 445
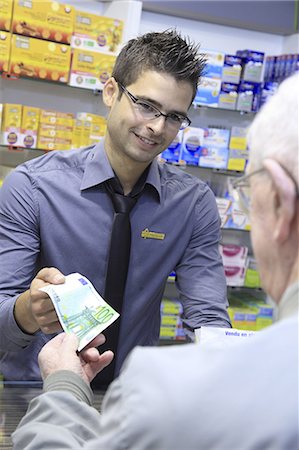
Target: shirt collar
98, 170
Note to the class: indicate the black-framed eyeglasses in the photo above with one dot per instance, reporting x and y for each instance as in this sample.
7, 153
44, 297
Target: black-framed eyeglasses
150, 112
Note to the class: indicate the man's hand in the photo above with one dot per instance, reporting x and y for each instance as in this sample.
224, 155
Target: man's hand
34, 309
60, 353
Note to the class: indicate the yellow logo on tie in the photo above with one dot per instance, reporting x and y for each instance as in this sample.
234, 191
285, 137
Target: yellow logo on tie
147, 234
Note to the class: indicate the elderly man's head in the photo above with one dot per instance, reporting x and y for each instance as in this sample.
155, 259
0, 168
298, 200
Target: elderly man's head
273, 181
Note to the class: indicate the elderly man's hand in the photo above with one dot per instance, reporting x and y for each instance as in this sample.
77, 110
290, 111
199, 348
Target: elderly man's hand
60, 353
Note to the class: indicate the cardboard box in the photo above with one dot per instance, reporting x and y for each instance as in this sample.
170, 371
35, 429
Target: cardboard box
35, 58
192, 144
45, 19
208, 92
214, 64
90, 70
173, 152
6, 14
11, 124
5, 41
228, 96
97, 33
252, 65
29, 126
233, 255
232, 69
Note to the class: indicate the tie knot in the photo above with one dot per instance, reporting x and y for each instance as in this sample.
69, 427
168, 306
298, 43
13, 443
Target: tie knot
122, 204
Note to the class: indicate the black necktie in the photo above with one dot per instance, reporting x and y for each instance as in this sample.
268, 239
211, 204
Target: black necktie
116, 275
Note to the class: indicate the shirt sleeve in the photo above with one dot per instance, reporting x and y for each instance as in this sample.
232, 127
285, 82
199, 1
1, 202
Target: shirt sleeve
200, 274
19, 248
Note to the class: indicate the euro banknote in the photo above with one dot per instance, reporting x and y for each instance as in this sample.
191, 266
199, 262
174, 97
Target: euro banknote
80, 308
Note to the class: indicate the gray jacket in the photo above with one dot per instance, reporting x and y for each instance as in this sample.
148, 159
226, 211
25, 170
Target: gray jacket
182, 397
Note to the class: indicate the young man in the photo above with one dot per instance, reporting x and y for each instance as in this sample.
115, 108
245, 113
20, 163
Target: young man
56, 214
188, 397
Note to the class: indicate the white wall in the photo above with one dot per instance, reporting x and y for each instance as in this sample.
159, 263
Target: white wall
212, 36
291, 44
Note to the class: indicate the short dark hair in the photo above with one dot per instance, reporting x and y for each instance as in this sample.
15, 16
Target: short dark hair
165, 52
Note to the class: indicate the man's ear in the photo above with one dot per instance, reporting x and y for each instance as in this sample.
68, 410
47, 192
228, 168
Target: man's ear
110, 92
285, 194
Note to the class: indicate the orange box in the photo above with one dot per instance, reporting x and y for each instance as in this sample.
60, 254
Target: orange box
5, 14
29, 126
35, 58
90, 70
44, 19
97, 33
5, 40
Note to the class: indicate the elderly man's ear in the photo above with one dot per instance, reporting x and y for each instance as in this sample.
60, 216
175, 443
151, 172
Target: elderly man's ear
285, 196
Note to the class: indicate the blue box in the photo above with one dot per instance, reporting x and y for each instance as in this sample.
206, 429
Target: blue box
172, 153
208, 92
193, 139
252, 62
249, 96
228, 96
232, 69
214, 64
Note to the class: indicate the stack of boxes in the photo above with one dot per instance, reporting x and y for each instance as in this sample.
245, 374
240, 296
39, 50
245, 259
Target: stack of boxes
171, 323
247, 312
232, 217
30, 127
88, 129
210, 83
217, 148
95, 42
234, 259
40, 41
240, 268
231, 81
277, 68
56, 42
55, 130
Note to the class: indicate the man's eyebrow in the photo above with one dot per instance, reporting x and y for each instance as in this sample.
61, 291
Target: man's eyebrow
159, 105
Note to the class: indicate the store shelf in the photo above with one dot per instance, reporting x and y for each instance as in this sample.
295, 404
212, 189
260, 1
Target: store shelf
13, 156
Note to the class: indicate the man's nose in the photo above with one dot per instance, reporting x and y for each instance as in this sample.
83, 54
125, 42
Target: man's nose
157, 124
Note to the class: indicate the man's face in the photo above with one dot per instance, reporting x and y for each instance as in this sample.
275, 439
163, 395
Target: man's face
132, 136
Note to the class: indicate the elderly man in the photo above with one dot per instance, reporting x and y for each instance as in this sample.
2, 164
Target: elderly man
187, 397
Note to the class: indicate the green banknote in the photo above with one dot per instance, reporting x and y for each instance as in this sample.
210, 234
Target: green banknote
80, 309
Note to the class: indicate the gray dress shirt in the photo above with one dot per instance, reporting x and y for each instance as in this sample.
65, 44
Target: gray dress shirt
55, 212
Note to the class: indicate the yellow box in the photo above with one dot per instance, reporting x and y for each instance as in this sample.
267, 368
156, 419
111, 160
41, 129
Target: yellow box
90, 70
64, 119
5, 40
47, 130
97, 33
29, 126
63, 144
43, 20
77, 132
36, 58
1, 113
5, 14
63, 132
46, 143
11, 124
47, 116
